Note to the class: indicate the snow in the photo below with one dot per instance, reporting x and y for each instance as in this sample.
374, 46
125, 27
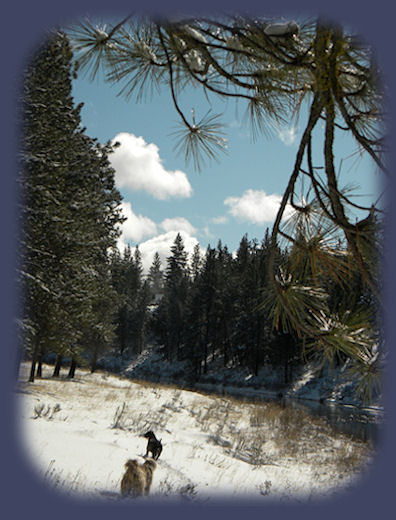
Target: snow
281, 29
101, 34
79, 433
194, 33
195, 61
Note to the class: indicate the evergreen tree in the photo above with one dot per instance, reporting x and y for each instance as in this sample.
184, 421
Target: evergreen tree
208, 298
69, 208
135, 296
119, 270
195, 336
174, 302
139, 298
141, 316
225, 302
99, 335
196, 261
246, 289
156, 278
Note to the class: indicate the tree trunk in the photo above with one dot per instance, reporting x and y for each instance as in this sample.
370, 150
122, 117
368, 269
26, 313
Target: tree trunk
140, 342
34, 359
72, 370
256, 363
205, 367
226, 352
226, 342
39, 372
286, 371
94, 360
214, 341
58, 365
32, 369
18, 361
258, 347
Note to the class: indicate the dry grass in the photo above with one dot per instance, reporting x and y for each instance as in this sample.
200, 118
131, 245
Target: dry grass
255, 433
265, 414
294, 433
69, 484
169, 489
350, 457
154, 385
111, 396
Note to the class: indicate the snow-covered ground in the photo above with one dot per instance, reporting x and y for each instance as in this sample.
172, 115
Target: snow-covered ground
79, 433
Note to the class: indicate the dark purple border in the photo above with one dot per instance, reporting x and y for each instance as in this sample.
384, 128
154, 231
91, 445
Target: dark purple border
23, 496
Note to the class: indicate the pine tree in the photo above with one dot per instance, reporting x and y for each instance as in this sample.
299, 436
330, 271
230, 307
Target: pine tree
156, 279
141, 316
245, 292
209, 297
138, 301
225, 303
196, 261
175, 296
195, 330
119, 268
69, 208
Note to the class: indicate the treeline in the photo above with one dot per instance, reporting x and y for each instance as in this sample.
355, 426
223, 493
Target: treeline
202, 308
211, 309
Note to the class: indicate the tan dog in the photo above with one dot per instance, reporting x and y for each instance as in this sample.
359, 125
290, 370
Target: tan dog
137, 478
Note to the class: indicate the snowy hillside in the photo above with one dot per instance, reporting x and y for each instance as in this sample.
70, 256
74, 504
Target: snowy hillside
79, 433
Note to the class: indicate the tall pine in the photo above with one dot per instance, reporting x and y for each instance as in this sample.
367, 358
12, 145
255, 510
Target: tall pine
173, 305
70, 213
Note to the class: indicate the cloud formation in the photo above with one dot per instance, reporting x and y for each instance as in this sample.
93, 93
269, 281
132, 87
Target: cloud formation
254, 206
220, 220
138, 167
288, 135
162, 244
178, 224
135, 227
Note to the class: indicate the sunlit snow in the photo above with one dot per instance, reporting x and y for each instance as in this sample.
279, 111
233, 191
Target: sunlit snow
79, 433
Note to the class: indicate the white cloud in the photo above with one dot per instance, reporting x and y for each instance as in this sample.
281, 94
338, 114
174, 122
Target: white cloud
207, 233
162, 244
254, 206
135, 227
288, 135
220, 220
178, 224
138, 167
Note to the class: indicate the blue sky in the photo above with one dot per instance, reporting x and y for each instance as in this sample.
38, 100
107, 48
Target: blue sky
163, 195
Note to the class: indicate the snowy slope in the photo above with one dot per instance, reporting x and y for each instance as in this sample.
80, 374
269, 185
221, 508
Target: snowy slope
79, 433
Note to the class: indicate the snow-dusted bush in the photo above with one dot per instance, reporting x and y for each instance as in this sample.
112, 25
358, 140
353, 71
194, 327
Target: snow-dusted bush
119, 417
43, 410
265, 488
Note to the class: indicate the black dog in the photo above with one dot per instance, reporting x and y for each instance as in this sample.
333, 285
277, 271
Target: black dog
154, 446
